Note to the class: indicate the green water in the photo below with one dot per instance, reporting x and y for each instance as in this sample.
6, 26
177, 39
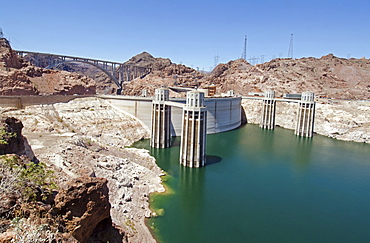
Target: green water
266, 186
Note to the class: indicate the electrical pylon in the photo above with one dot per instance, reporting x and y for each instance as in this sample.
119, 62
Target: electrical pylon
290, 52
244, 55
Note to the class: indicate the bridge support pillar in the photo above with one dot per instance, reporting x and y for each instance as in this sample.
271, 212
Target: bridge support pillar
161, 120
268, 111
194, 131
306, 115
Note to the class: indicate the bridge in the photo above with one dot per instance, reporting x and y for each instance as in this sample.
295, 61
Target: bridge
118, 72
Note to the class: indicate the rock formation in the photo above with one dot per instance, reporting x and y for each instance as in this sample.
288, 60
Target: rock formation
164, 73
8, 58
327, 76
83, 205
12, 141
29, 210
18, 77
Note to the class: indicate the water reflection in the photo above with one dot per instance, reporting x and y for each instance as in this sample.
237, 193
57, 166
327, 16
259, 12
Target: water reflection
191, 198
267, 139
302, 149
166, 157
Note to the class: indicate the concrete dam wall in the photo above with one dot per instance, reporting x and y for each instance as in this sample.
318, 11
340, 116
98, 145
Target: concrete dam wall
223, 114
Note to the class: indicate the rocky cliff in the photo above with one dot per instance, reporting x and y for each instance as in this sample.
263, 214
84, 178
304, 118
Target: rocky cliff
18, 77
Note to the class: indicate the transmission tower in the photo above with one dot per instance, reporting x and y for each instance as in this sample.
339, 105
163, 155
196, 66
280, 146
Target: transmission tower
1, 33
253, 60
244, 54
290, 52
262, 58
216, 60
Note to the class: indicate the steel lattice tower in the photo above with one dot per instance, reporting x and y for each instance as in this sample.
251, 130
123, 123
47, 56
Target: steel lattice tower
244, 55
216, 60
290, 52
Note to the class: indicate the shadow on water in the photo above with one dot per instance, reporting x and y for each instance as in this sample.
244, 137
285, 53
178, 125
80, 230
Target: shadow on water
212, 159
243, 117
176, 142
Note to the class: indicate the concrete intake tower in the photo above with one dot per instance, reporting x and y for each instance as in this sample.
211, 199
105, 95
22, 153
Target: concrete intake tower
306, 115
161, 120
268, 111
194, 131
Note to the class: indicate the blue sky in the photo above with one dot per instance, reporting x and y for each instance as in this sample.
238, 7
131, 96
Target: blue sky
189, 32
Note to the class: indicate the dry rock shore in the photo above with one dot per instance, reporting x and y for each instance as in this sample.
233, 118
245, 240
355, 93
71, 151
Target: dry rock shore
347, 120
89, 137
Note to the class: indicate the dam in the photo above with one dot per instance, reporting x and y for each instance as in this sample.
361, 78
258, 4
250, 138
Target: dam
223, 113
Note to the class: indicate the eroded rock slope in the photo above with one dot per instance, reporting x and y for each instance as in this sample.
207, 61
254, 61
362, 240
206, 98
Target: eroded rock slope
88, 137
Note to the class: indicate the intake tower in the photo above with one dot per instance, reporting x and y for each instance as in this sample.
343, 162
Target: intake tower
194, 131
161, 120
306, 115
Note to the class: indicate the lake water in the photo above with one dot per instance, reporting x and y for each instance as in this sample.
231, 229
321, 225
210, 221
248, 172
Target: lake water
265, 186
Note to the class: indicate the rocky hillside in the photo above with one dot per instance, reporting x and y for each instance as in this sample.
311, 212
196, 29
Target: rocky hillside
164, 73
18, 77
104, 84
327, 76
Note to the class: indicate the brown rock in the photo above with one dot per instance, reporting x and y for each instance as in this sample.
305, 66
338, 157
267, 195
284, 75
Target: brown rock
11, 136
328, 76
164, 73
144, 59
8, 58
7, 237
83, 205
18, 77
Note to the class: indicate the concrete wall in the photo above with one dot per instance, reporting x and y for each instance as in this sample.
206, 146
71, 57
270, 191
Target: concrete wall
223, 114
23, 101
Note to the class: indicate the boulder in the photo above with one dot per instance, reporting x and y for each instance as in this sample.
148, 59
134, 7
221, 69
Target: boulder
83, 205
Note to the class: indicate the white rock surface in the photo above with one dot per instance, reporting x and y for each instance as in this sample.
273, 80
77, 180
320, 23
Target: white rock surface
347, 120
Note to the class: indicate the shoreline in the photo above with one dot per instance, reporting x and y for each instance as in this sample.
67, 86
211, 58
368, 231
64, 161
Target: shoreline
342, 120
167, 191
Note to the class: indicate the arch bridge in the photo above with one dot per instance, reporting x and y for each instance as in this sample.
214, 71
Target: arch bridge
118, 72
